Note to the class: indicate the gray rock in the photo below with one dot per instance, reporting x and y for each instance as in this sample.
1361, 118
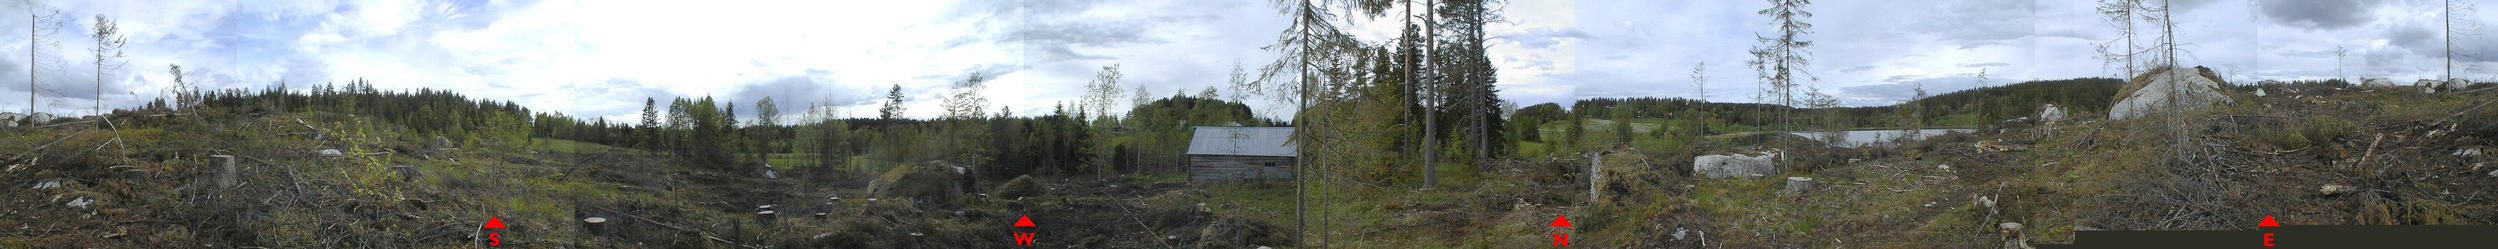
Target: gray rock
39, 118
53, 184
2469, 152
1735, 165
2051, 114
81, 202
2191, 91
2377, 83
441, 143
2259, 92
330, 152
2335, 189
2428, 85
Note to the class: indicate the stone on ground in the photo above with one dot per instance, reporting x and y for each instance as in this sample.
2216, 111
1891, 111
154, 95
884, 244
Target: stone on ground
2050, 114
2165, 89
1734, 165
2377, 83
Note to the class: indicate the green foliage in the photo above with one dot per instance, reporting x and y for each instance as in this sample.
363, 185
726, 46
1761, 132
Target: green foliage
1159, 130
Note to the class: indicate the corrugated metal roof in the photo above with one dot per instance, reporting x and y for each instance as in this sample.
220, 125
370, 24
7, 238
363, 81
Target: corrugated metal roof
1242, 141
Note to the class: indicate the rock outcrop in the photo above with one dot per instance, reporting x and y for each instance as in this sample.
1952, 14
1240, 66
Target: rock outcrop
2167, 89
1734, 165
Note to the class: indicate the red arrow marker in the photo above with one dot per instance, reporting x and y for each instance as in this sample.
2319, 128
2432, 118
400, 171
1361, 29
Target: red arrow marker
1560, 221
1025, 221
2268, 222
494, 222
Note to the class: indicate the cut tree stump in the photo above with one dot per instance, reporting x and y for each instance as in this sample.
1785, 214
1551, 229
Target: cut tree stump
225, 170
1797, 185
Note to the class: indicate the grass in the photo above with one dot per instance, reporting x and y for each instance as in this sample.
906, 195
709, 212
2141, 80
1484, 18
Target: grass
569, 146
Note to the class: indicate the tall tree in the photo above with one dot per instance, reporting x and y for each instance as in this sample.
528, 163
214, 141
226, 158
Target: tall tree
1311, 48
40, 27
1782, 58
650, 125
1984, 114
2120, 15
2341, 54
766, 132
893, 104
2458, 10
1140, 97
1466, 77
1239, 77
1700, 87
1103, 91
966, 102
108, 54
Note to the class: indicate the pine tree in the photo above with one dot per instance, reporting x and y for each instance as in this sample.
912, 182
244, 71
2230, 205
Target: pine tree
893, 104
1782, 59
649, 139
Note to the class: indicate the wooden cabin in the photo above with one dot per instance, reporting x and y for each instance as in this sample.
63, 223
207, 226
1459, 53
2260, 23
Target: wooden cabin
1220, 153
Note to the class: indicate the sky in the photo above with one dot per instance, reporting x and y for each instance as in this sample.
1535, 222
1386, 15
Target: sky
588, 58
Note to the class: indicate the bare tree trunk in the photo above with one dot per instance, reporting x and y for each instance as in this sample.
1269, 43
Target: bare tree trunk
1431, 99
1300, 175
31, 33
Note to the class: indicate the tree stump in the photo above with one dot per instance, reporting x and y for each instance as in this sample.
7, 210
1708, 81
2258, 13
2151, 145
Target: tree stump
226, 175
1797, 185
595, 225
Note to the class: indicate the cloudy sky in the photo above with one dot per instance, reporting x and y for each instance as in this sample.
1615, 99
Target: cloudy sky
601, 58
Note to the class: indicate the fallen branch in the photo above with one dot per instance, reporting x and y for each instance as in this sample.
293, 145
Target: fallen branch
706, 235
2372, 150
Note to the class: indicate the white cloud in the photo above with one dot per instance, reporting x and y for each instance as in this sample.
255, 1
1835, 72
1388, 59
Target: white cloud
600, 58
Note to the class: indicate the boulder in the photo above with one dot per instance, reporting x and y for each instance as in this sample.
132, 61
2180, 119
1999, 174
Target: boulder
440, 143
2050, 114
39, 118
2335, 189
2259, 92
2152, 91
2377, 83
1734, 165
329, 152
9, 119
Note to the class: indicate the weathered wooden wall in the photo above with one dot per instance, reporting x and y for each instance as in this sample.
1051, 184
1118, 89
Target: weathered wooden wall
1233, 168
